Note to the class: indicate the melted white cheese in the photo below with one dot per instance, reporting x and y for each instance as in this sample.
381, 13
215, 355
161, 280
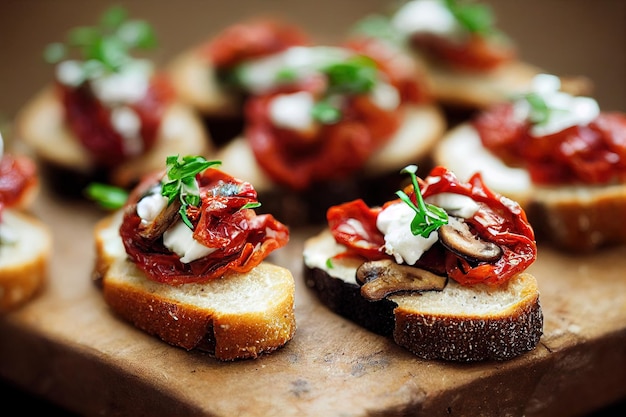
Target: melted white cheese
293, 111
149, 207
565, 110
395, 223
454, 204
179, 239
426, 16
264, 74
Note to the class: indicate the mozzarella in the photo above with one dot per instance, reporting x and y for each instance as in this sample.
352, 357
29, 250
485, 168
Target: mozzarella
426, 16
151, 205
179, 239
395, 223
293, 111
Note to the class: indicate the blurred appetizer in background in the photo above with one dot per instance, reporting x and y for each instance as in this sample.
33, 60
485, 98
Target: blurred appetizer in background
319, 119
207, 76
441, 269
184, 259
558, 155
107, 116
471, 63
25, 242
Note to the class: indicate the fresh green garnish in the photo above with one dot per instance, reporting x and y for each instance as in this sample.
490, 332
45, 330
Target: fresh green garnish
180, 181
107, 196
428, 217
539, 109
329, 263
108, 44
326, 113
476, 18
356, 75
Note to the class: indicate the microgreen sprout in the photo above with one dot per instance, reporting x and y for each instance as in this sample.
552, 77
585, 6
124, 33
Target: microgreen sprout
180, 182
428, 217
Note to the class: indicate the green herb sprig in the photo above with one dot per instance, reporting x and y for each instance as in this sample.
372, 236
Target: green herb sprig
106, 46
428, 217
107, 196
356, 75
476, 18
180, 181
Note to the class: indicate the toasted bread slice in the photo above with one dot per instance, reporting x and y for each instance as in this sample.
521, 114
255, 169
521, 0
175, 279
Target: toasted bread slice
40, 125
24, 259
236, 317
575, 218
459, 323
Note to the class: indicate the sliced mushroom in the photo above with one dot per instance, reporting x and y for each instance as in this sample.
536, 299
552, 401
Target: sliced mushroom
161, 223
457, 237
378, 279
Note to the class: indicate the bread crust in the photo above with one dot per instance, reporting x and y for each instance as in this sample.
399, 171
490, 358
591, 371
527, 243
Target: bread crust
24, 264
238, 316
40, 125
574, 218
417, 322
479, 90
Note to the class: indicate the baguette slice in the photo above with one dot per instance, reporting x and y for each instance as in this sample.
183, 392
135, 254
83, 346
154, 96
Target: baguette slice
24, 263
574, 218
460, 323
40, 125
237, 317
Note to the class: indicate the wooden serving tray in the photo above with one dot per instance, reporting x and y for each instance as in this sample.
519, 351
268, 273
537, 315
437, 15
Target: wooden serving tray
67, 346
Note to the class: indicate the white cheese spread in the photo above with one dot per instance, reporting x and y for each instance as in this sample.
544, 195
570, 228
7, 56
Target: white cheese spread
564, 110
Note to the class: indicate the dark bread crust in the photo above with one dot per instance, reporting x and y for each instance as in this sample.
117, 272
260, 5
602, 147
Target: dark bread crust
345, 299
508, 323
470, 339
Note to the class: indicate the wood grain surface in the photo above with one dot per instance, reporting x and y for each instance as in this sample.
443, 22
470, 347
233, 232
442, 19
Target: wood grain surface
66, 345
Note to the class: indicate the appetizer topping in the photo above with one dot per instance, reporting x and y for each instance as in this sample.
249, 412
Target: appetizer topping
556, 137
379, 279
194, 223
18, 175
328, 120
113, 101
493, 243
457, 33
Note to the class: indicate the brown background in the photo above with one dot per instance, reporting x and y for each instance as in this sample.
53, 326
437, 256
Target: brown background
578, 37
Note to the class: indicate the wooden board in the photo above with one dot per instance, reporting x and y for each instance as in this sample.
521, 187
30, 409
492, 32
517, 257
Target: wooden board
66, 345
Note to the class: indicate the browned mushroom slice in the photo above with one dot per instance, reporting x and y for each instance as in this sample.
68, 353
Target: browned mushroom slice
457, 237
161, 223
378, 279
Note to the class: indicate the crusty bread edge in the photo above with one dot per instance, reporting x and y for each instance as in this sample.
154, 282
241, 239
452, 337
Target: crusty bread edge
226, 336
20, 283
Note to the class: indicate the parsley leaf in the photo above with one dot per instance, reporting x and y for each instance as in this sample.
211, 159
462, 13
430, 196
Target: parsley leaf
180, 181
356, 75
428, 217
107, 196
